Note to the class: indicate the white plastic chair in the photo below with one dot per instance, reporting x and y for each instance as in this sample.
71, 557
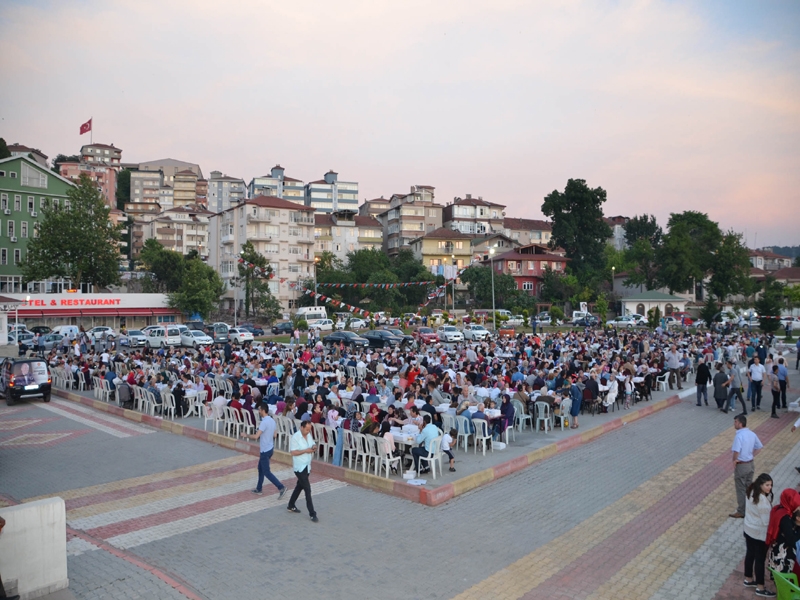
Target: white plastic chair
212, 415
661, 382
520, 418
247, 422
544, 415
462, 424
558, 419
448, 422
385, 459
233, 421
168, 404
272, 389
435, 455
350, 447
105, 390
481, 434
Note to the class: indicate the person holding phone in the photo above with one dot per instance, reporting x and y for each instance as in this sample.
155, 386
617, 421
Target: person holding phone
302, 447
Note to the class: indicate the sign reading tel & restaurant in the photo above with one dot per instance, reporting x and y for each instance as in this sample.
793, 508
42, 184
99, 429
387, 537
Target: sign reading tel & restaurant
47, 302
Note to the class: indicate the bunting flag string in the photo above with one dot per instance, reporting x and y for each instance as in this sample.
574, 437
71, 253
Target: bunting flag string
384, 286
256, 270
338, 303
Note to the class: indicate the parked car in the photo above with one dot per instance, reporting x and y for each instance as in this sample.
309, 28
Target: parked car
515, 321
97, 333
161, 337
475, 332
286, 327
587, 321
448, 333
795, 321
408, 340
240, 335
135, 338
426, 335
23, 378
623, 321
24, 339
50, 341
354, 324
543, 318
192, 325
577, 315
219, 333
683, 317
321, 324
348, 338
254, 329
381, 338
195, 337
41, 329
638, 319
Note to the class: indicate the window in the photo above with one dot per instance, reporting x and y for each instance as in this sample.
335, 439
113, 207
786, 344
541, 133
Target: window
23, 229
13, 175
667, 309
36, 230
166, 319
527, 286
531, 265
459, 245
31, 204
3, 201
432, 212
271, 249
17, 256
294, 231
294, 249
2, 173
557, 266
11, 229
3, 256
18, 203
435, 262
294, 268
33, 177
640, 309
512, 265
274, 288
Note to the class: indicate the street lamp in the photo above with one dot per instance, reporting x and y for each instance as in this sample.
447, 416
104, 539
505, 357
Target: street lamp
316, 262
453, 257
494, 312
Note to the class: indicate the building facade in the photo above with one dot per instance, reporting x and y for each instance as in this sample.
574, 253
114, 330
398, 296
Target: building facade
101, 163
527, 265
224, 192
409, 217
768, 260
374, 207
474, 216
343, 232
280, 230
34, 153
182, 228
146, 186
528, 231
25, 187
329, 194
278, 184
184, 189
443, 251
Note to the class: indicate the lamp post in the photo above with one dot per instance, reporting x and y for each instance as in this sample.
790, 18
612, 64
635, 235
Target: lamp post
316, 262
453, 257
494, 313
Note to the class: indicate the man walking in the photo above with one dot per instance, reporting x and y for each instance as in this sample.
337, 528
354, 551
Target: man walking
267, 431
735, 387
673, 360
302, 447
701, 380
783, 373
756, 374
745, 446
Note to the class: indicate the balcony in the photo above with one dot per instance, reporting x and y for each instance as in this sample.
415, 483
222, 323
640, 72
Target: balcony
302, 220
228, 239
303, 257
251, 218
260, 236
304, 240
370, 240
166, 231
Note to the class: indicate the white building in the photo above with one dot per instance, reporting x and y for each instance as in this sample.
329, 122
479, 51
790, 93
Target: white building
330, 195
277, 184
280, 230
343, 232
224, 192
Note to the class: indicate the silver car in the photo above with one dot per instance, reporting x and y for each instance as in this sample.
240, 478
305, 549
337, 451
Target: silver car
133, 339
194, 338
448, 333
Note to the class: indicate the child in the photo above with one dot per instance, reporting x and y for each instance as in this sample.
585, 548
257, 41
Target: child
447, 440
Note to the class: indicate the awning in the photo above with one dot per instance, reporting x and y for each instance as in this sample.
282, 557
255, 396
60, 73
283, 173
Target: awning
99, 312
135, 312
28, 314
165, 311
63, 312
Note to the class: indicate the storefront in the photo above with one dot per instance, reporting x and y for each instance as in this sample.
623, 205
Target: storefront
133, 311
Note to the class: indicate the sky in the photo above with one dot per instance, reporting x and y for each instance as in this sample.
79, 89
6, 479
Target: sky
667, 105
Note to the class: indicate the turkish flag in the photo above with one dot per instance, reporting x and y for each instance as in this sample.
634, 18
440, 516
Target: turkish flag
86, 127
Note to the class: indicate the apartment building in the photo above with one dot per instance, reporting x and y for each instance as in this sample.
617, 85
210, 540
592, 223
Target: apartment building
527, 231
768, 261
184, 188
169, 167
25, 186
182, 228
278, 184
202, 191
474, 215
409, 217
224, 191
443, 248
343, 232
142, 213
146, 186
101, 163
482, 244
34, 153
374, 207
329, 194
280, 230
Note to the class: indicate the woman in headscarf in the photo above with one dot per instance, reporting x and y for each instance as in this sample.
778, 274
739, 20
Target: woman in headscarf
576, 396
280, 407
506, 415
350, 421
302, 409
783, 532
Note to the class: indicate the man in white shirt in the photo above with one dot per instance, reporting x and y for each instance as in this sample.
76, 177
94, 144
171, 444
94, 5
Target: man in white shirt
756, 374
302, 447
744, 449
672, 358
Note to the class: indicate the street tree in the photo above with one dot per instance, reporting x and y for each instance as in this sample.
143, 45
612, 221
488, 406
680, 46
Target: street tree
200, 290
687, 252
75, 241
254, 275
730, 270
579, 228
769, 305
479, 282
166, 266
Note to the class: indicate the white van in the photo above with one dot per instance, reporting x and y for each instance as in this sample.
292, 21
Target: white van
162, 337
501, 312
307, 313
70, 331
577, 315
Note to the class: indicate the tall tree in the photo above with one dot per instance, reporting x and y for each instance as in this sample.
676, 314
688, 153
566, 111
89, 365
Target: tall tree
254, 275
643, 227
167, 266
643, 237
123, 193
687, 254
731, 267
578, 227
769, 305
4, 151
479, 281
200, 290
76, 242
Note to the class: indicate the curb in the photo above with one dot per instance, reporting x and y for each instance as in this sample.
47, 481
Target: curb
432, 497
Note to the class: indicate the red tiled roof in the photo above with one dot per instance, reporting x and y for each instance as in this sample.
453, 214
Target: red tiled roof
475, 202
320, 181
21, 148
443, 233
790, 273
275, 202
323, 219
767, 254
516, 255
526, 224
285, 178
186, 172
367, 222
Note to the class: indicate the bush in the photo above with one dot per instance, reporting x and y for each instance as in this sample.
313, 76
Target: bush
556, 314
654, 317
302, 325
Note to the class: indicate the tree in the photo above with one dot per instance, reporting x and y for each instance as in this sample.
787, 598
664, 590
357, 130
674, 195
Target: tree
254, 275
76, 242
62, 158
710, 311
687, 253
730, 267
479, 282
200, 290
578, 227
123, 188
167, 266
4, 151
654, 317
642, 254
558, 287
796, 262
643, 228
601, 308
769, 305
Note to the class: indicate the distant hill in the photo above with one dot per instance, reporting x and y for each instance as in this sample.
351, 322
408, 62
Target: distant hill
791, 251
